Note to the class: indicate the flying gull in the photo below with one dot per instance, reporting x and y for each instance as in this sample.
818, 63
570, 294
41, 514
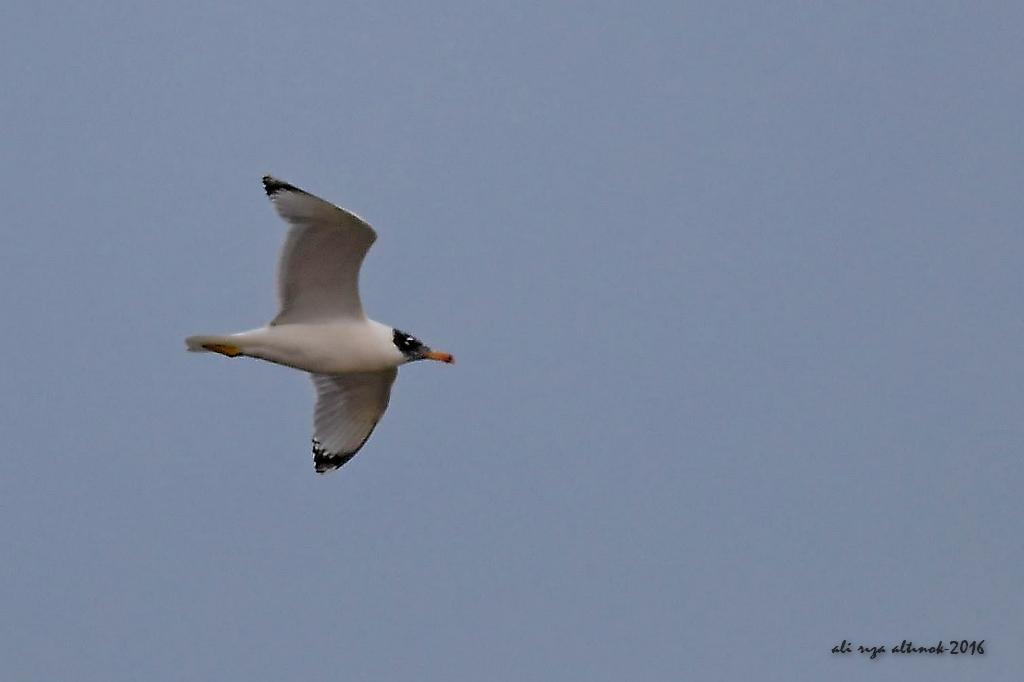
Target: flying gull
321, 327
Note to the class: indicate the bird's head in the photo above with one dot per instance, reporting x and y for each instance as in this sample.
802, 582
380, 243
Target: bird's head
413, 349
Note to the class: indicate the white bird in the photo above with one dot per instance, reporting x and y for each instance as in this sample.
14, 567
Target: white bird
321, 327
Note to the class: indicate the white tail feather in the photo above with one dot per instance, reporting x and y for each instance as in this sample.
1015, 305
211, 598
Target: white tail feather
195, 343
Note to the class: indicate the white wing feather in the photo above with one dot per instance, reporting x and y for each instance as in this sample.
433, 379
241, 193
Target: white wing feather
348, 407
318, 270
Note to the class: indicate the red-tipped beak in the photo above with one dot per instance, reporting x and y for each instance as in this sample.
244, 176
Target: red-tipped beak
441, 356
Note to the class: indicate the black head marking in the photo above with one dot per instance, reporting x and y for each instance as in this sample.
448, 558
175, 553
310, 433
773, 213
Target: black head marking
410, 346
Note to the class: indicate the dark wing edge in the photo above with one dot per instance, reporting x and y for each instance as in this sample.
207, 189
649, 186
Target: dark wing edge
272, 186
325, 462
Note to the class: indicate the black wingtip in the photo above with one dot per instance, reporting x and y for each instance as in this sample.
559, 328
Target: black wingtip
324, 461
272, 186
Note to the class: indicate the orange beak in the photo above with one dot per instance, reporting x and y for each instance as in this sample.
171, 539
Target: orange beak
441, 356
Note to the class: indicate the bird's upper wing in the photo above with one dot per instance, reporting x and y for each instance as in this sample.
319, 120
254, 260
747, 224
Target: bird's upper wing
318, 271
348, 406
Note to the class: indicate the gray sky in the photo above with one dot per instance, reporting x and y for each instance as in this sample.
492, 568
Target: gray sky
734, 288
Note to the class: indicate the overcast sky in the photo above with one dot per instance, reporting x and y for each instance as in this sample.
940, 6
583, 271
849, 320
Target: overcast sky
734, 288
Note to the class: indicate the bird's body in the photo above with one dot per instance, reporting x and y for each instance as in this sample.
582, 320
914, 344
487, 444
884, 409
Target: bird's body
319, 347
321, 328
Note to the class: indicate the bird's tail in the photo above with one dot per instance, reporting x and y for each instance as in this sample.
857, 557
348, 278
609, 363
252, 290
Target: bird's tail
215, 343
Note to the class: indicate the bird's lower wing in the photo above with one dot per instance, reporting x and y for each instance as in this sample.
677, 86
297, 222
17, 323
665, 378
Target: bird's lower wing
348, 407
